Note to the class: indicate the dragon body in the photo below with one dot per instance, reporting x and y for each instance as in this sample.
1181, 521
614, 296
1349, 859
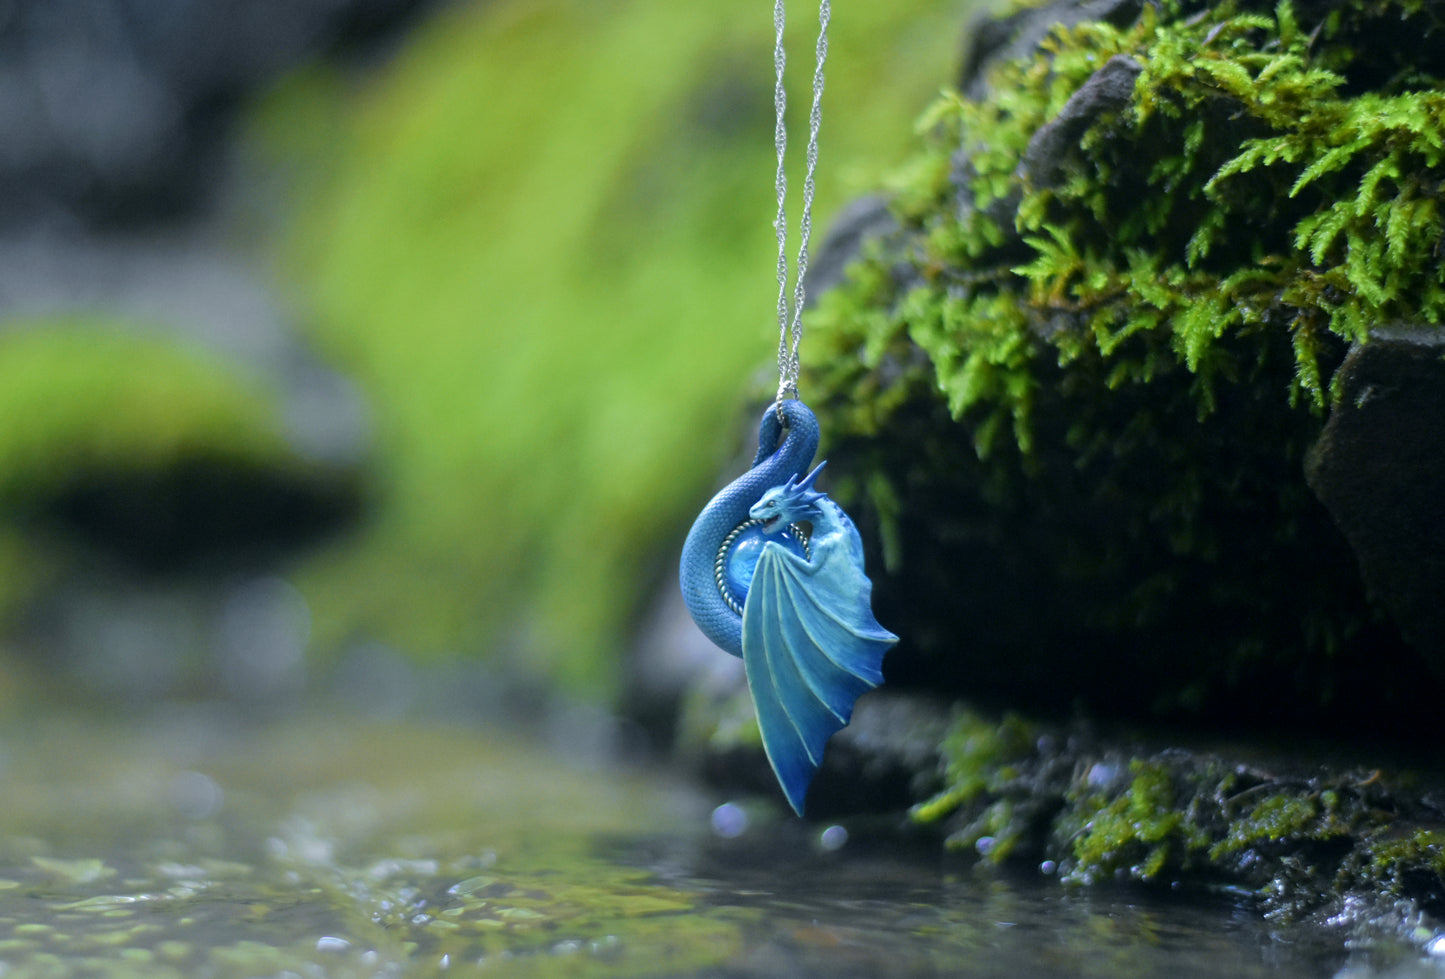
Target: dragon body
781, 453
794, 604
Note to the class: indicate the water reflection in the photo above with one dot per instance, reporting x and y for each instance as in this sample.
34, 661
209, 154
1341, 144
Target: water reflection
871, 909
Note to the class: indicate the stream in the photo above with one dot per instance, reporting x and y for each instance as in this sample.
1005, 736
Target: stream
198, 841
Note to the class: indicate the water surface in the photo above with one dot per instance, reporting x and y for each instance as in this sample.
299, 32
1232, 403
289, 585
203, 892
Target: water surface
195, 843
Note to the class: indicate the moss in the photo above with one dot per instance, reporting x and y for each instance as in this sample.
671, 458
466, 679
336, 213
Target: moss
1092, 374
978, 756
84, 398
1141, 832
987, 773
1247, 187
1089, 811
1278, 819
557, 296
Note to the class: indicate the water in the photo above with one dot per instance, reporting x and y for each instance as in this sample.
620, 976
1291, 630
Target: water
196, 843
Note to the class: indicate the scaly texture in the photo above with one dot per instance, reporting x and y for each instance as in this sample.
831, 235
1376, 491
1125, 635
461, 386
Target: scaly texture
775, 462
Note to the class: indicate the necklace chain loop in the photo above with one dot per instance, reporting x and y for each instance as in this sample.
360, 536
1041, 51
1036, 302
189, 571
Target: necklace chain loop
790, 318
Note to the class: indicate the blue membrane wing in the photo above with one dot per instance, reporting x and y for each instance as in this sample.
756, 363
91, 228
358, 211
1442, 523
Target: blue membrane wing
811, 648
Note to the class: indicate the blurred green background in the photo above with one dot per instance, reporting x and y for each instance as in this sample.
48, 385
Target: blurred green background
536, 236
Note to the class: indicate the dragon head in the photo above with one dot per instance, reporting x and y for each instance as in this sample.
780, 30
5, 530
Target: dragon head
793, 501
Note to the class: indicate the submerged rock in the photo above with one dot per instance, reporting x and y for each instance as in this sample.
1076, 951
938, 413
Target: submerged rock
1303, 835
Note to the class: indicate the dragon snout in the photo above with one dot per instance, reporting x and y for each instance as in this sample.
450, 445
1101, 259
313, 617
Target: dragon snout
770, 514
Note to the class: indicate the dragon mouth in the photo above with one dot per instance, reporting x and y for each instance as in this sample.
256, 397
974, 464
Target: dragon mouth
771, 525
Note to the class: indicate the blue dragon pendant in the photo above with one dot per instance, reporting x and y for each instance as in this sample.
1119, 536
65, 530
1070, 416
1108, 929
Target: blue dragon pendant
795, 604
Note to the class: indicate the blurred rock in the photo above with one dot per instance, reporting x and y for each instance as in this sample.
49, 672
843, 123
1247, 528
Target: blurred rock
188, 283
866, 219
115, 111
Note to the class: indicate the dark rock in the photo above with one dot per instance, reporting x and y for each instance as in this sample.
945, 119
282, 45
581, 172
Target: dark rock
1044, 583
866, 219
1017, 36
1329, 844
1379, 467
1109, 90
991, 40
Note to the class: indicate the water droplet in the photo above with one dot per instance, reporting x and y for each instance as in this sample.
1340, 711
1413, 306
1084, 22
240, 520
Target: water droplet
833, 838
729, 821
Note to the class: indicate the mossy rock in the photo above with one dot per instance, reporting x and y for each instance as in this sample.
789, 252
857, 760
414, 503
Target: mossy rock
146, 451
1300, 832
1072, 394
1297, 840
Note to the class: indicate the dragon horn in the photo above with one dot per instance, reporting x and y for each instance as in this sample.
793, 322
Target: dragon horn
806, 483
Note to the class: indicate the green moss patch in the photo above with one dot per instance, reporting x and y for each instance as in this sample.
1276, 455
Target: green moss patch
140, 445
81, 401
1250, 185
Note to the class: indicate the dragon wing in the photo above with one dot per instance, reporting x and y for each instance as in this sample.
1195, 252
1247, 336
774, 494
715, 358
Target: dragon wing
811, 648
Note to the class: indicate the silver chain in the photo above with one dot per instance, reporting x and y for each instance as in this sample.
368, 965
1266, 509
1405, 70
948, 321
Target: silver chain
790, 321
